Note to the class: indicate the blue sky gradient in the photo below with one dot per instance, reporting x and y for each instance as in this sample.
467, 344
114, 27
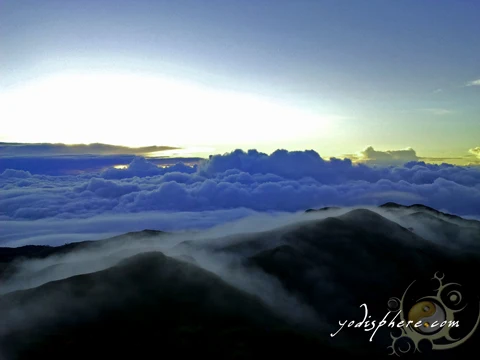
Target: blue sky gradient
392, 74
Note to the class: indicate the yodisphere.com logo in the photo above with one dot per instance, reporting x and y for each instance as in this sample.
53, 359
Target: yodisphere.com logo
430, 315
445, 318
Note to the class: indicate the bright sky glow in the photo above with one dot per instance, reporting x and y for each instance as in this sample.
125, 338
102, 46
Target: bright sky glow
137, 110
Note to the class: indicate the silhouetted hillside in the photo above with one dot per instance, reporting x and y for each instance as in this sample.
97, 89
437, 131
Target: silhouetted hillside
147, 305
426, 209
228, 298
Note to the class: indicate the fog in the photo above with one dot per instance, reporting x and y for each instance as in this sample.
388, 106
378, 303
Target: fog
101, 255
35, 272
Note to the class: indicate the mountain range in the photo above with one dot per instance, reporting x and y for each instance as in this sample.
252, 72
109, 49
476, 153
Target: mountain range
250, 295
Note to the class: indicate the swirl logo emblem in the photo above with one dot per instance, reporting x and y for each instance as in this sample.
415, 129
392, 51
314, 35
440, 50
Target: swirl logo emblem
433, 322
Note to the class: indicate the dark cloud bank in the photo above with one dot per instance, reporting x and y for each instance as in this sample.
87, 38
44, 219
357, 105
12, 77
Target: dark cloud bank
46, 149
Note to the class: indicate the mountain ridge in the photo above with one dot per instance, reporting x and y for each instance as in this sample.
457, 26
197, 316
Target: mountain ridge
327, 264
159, 297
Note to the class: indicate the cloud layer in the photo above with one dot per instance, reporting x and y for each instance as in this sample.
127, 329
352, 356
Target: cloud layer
283, 181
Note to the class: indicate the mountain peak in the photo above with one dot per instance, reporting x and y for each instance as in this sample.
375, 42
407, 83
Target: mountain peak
323, 209
363, 214
392, 204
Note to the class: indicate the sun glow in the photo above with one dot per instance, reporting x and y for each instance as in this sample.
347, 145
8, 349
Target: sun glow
139, 110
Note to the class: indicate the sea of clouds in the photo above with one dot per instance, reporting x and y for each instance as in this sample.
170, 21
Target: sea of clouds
220, 189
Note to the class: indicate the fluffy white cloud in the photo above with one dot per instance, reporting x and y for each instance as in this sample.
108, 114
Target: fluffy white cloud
474, 83
475, 151
370, 155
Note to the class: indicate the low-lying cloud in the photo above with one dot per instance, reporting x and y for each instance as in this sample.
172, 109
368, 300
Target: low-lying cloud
281, 182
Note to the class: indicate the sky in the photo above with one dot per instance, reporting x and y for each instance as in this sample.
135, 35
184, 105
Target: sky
333, 76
